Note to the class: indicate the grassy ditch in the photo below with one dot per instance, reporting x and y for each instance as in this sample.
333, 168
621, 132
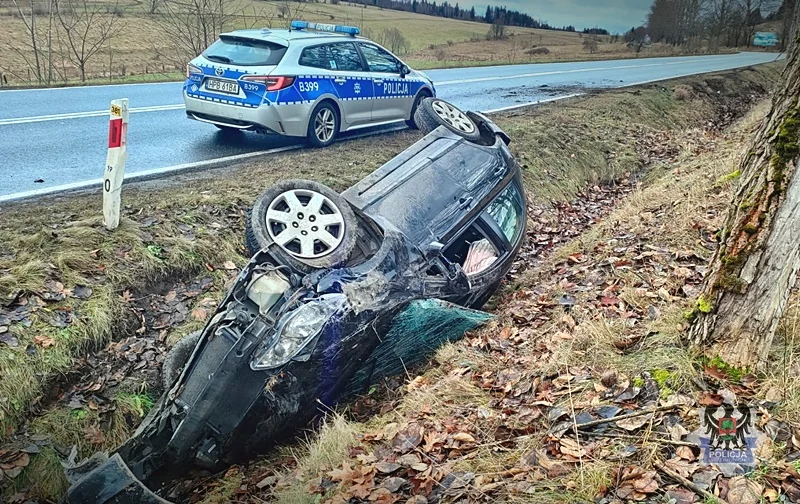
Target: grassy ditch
488, 407
66, 284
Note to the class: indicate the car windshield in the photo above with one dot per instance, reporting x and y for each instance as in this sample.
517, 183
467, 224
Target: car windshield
243, 51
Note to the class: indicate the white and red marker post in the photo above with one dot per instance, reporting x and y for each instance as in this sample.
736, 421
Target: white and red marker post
115, 162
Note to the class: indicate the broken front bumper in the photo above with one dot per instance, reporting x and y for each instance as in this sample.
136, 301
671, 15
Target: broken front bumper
112, 483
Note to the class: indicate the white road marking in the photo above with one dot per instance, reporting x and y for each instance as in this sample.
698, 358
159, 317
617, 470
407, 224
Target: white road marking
160, 108
560, 72
152, 173
80, 115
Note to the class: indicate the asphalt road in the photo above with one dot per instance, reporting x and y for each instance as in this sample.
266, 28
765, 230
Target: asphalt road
58, 136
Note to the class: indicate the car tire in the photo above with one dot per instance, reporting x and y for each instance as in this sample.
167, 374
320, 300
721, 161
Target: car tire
434, 112
323, 125
343, 229
177, 357
412, 123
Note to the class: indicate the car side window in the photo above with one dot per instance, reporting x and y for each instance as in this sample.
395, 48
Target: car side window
346, 57
506, 211
318, 57
379, 60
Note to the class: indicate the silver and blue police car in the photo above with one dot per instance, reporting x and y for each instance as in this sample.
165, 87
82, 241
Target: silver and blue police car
312, 80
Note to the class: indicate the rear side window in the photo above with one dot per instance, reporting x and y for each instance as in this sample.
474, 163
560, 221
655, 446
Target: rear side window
244, 51
506, 211
318, 57
346, 57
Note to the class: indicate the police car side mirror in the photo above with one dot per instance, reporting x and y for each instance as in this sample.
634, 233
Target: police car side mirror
404, 70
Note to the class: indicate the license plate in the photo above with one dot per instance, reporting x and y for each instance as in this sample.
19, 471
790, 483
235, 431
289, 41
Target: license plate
222, 86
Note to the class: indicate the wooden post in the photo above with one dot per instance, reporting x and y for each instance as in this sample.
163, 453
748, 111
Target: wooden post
115, 162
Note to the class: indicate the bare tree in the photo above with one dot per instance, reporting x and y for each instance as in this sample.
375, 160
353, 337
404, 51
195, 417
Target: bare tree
590, 43
756, 264
394, 40
498, 29
32, 61
193, 25
85, 27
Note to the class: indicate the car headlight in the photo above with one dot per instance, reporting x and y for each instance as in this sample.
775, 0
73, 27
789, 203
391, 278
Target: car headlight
298, 329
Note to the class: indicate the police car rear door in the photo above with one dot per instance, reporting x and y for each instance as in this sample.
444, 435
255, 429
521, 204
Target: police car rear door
392, 92
352, 82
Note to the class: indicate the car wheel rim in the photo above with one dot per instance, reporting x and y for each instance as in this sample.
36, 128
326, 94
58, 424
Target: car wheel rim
324, 125
453, 116
305, 223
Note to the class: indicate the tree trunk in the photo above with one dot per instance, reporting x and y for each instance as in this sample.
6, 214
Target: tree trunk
756, 264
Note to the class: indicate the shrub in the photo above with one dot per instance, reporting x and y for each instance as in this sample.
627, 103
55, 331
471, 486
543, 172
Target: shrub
538, 50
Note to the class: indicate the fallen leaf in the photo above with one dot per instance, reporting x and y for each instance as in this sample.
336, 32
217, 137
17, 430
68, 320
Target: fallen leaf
199, 314
81, 292
408, 438
268, 481
345, 475
631, 424
393, 484
44, 341
9, 339
680, 466
742, 490
229, 265
647, 483
710, 399
94, 435
464, 437
686, 453
387, 467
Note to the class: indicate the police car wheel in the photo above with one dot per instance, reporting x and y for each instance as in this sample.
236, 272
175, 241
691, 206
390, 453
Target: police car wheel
323, 125
412, 123
312, 226
433, 112
176, 358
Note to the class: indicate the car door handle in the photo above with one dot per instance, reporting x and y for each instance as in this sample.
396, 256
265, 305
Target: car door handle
378, 81
464, 203
339, 80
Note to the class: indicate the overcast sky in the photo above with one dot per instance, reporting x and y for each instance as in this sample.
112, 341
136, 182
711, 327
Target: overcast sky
613, 15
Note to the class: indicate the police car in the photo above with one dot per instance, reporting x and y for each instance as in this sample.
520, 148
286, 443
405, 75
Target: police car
313, 80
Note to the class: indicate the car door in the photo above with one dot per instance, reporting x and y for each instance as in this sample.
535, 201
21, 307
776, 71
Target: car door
392, 92
353, 83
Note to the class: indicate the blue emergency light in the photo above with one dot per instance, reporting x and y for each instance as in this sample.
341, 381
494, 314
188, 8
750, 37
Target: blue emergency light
306, 25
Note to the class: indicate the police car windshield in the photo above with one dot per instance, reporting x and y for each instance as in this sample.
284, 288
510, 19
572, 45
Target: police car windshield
244, 51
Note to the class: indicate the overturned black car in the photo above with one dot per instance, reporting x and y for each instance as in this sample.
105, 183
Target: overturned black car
341, 290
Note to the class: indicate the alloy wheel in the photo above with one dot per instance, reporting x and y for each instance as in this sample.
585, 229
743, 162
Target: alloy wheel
305, 223
453, 116
324, 125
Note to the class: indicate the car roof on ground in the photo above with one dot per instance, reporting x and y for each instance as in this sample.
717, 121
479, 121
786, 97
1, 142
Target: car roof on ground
284, 36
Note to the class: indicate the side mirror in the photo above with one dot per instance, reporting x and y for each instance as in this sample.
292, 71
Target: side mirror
404, 70
433, 250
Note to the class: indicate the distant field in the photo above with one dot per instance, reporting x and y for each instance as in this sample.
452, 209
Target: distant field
139, 51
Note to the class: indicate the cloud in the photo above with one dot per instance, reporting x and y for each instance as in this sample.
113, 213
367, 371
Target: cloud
613, 15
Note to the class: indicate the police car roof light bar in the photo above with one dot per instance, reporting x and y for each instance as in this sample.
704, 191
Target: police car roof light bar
307, 25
